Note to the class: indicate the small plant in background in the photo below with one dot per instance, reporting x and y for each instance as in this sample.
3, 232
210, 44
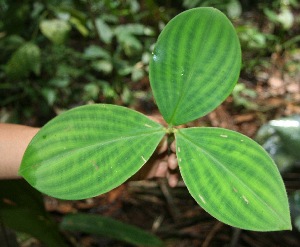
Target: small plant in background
281, 139
92, 149
22, 209
244, 97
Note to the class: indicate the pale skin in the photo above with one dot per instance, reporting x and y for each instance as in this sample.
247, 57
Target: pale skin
15, 138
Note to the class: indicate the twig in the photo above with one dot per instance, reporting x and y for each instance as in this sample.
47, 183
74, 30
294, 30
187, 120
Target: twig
174, 211
3, 235
212, 233
235, 237
93, 17
157, 223
251, 241
7, 237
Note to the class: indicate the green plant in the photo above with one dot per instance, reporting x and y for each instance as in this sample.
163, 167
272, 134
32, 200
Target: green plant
57, 54
244, 97
22, 209
285, 17
109, 228
281, 139
92, 149
232, 8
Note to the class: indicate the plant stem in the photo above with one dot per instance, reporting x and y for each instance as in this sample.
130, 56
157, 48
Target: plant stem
93, 18
174, 211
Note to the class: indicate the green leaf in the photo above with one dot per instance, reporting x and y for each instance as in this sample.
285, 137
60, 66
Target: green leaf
23, 61
233, 178
59, 82
128, 41
132, 28
94, 52
104, 31
195, 64
103, 66
91, 91
55, 30
107, 227
22, 209
234, 9
49, 94
80, 26
89, 150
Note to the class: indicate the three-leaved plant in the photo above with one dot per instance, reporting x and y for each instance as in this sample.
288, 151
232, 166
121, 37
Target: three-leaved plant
92, 149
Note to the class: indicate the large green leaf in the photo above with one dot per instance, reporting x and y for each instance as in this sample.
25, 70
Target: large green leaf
233, 178
107, 227
22, 209
89, 150
195, 64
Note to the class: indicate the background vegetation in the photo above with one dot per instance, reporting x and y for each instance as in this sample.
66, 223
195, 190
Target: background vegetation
59, 54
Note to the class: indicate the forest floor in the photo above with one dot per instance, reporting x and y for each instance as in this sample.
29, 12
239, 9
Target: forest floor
268, 88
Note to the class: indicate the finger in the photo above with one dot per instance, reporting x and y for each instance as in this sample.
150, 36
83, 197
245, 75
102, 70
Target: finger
149, 169
162, 146
172, 161
173, 147
172, 179
162, 169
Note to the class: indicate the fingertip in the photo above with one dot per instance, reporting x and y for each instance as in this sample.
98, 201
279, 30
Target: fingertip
173, 146
163, 146
172, 162
162, 169
173, 180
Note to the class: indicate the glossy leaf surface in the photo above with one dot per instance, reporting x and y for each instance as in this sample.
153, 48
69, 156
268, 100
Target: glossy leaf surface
195, 64
281, 139
89, 150
108, 227
288, 130
233, 178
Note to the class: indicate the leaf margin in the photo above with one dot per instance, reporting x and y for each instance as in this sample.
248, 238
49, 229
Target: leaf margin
33, 147
203, 201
